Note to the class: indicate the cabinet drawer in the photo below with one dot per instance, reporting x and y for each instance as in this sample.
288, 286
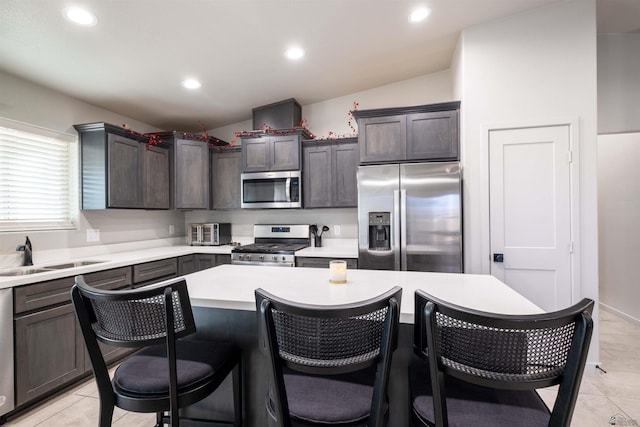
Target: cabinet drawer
51, 292
323, 262
154, 270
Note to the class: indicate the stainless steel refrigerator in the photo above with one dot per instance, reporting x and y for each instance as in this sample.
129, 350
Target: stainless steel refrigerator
410, 217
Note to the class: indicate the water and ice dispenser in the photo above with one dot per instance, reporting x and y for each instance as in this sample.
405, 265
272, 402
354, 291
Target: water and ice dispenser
379, 231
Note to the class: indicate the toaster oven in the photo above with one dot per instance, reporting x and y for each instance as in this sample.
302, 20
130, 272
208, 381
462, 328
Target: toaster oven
209, 234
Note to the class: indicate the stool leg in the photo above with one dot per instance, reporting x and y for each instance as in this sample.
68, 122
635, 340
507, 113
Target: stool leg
159, 422
237, 395
106, 414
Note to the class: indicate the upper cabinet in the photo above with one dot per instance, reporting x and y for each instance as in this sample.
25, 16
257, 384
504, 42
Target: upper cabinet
226, 167
190, 174
271, 153
426, 132
329, 173
119, 170
190, 169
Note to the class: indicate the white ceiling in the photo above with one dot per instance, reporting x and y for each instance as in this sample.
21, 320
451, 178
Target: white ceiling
133, 60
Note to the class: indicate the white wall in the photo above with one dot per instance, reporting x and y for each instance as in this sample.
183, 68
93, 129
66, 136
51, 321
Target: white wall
618, 213
618, 173
537, 66
33, 104
618, 83
332, 115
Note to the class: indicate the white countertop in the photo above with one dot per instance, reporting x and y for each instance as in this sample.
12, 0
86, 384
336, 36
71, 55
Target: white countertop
232, 287
332, 248
109, 261
113, 256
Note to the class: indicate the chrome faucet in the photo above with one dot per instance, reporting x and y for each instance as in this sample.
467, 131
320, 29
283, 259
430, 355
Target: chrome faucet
28, 253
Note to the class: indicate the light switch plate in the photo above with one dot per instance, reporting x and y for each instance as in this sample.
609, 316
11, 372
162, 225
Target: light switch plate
93, 234
172, 230
336, 230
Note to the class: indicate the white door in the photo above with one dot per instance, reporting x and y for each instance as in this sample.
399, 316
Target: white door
530, 212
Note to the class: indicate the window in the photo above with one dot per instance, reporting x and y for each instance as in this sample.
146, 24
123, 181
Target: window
37, 178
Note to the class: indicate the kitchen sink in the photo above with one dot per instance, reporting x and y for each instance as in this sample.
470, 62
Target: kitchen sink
23, 271
71, 265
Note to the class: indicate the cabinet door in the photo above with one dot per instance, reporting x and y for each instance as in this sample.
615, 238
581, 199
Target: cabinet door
256, 154
432, 136
49, 352
317, 176
285, 152
186, 265
344, 175
382, 139
156, 178
226, 168
124, 172
191, 189
204, 261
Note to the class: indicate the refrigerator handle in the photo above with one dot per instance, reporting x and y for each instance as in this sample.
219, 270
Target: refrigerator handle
396, 229
403, 229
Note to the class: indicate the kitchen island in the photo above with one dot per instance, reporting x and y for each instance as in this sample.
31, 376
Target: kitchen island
224, 308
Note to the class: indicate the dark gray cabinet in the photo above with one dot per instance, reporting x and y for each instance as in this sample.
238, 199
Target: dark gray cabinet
49, 350
226, 168
329, 173
118, 170
190, 174
191, 263
155, 175
323, 262
154, 271
271, 153
427, 132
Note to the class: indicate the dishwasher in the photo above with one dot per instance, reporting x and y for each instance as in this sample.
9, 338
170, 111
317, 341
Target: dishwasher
7, 401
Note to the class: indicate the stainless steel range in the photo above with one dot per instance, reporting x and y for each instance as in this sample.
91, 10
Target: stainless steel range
275, 245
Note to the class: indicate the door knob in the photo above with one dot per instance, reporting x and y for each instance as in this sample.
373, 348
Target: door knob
498, 257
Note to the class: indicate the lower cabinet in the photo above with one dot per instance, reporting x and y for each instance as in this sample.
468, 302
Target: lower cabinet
323, 262
49, 352
154, 271
49, 348
191, 263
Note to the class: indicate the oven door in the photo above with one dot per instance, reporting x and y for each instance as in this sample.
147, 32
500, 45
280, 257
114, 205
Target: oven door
265, 190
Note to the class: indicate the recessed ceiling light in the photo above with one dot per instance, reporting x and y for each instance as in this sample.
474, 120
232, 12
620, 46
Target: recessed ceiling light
294, 53
419, 14
191, 83
80, 16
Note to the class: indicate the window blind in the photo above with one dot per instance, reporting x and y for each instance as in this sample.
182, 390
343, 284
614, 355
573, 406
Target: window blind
35, 181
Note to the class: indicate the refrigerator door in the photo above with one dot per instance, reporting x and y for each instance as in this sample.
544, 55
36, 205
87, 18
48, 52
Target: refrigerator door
432, 217
378, 200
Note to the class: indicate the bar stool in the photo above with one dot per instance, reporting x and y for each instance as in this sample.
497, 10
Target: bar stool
329, 365
169, 372
482, 369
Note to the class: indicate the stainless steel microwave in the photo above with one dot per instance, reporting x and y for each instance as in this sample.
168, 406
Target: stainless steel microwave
265, 190
210, 234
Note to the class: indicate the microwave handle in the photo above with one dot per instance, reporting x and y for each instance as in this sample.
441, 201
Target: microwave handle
288, 189
200, 234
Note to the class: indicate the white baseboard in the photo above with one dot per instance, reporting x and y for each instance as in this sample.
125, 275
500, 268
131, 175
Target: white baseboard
619, 313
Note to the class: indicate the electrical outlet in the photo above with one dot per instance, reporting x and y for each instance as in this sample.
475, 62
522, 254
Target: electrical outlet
172, 230
336, 230
93, 235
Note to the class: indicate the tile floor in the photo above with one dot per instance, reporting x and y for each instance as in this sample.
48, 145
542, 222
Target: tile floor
602, 396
